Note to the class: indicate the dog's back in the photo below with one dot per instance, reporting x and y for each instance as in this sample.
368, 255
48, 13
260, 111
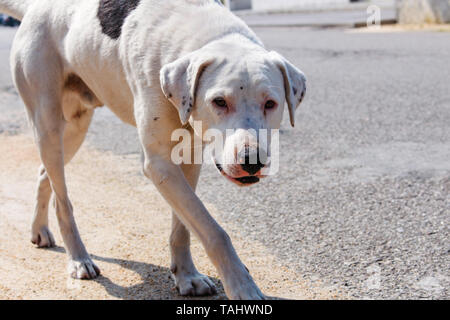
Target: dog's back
14, 8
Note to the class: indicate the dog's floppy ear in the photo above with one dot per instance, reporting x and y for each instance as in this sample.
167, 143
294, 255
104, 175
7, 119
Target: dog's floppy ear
179, 82
294, 83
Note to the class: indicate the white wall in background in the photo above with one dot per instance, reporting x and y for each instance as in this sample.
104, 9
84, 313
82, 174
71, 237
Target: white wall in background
423, 11
289, 5
239, 4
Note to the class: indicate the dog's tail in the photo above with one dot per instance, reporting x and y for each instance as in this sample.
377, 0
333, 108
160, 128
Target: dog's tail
14, 8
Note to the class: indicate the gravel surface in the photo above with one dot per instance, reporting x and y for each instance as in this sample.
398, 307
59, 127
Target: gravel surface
362, 200
361, 203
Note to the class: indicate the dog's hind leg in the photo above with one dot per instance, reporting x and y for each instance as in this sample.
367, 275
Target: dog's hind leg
39, 77
78, 119
49, 127
40, 232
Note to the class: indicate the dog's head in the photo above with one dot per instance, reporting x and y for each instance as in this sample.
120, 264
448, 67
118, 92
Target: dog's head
235, 86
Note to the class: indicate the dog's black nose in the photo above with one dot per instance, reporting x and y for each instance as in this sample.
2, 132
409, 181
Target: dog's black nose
250, 162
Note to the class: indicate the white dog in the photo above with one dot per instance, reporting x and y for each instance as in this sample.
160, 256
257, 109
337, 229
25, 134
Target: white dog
158, 65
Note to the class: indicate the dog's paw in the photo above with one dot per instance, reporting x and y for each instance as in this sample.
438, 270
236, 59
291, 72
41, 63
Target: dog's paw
42, 237
246, 291
195, 284
240, 286
83, 269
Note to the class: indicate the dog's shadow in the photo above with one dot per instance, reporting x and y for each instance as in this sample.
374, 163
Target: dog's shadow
156, 282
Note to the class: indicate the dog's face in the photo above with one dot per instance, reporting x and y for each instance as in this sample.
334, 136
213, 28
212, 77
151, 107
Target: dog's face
240, 92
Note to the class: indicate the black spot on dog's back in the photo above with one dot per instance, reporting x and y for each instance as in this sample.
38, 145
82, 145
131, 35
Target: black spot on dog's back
112, 14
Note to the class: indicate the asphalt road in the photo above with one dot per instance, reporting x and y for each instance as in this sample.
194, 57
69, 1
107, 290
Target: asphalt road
361, 203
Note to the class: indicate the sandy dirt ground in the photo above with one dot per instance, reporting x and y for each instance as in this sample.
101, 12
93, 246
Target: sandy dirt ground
125, 225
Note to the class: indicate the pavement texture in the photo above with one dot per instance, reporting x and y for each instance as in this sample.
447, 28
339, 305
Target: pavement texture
359, 209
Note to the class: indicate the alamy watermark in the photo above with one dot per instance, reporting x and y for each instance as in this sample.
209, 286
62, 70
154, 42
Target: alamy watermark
374, 17
220, 147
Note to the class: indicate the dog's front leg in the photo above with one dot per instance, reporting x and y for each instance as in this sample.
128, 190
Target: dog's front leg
172, 184
188, 280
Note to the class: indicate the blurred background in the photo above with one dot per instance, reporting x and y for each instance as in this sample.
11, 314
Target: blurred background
402, 11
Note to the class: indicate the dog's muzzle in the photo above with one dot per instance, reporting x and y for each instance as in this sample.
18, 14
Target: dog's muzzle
250, 161
247, 169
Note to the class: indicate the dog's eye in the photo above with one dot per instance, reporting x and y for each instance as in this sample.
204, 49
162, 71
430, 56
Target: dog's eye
220, 102
270, 104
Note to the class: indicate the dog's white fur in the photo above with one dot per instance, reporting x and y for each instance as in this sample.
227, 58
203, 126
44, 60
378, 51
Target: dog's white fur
180, 53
